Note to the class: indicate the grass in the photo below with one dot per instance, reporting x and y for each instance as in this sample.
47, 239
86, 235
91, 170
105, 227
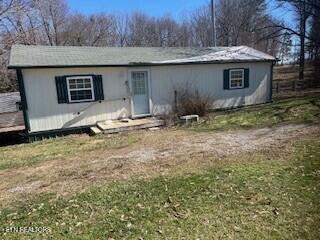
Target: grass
273, 194
296, 110
291, 72
261, 196
59, 148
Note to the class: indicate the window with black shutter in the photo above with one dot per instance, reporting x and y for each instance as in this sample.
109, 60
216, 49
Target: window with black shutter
235, 78
62, 89
75, 89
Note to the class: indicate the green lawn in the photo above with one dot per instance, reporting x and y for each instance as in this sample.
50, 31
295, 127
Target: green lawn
266, 195
295, 110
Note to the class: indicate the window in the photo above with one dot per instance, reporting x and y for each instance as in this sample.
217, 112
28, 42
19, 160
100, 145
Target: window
139, 80
236, 78
80, 88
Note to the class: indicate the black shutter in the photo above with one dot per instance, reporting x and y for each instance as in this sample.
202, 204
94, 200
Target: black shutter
98, 88
246, 77
62, 90
226, 79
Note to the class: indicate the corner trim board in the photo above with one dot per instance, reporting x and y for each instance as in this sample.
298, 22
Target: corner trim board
271, 82
23, 100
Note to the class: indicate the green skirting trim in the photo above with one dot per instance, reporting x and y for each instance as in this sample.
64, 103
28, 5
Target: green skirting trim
36, 136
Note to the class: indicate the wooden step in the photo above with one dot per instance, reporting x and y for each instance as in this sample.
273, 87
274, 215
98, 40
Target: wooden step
120, 126
95, 130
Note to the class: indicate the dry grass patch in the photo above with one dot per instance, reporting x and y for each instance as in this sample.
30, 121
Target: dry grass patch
156, 153
60, 148
251, 196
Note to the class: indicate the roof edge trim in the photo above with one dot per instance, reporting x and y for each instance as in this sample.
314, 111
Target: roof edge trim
139, 64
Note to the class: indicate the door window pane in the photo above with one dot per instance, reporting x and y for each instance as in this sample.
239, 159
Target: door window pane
139, 83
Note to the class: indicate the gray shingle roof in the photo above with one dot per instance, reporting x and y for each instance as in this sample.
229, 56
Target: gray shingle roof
66, 56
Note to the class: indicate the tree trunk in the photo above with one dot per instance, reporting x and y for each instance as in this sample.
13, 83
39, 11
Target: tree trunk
302, 39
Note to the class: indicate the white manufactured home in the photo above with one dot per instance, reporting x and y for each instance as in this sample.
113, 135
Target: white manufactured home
65, 88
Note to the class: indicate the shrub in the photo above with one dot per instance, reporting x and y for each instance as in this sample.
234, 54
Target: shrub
190, 101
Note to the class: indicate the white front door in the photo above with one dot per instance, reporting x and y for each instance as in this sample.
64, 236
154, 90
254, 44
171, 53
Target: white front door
140, 93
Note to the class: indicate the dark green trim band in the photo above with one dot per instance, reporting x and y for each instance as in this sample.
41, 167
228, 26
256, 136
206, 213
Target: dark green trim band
23, 100
136, 64
34, 136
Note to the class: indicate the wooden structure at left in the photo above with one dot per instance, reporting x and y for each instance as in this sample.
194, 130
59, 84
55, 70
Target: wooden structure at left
11, 118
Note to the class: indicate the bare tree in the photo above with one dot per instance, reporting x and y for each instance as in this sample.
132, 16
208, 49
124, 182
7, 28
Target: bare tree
314, 41
239, 22
52, 14
285, 47
11, 30
121, 21
201, 26
5, 6
303, 10
136, 29
49, 22
167, 32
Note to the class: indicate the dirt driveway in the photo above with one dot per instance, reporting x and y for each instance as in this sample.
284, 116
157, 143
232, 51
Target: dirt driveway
157, 153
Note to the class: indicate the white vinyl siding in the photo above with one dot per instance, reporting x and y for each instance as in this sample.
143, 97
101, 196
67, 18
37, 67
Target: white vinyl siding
46, 114
208, 79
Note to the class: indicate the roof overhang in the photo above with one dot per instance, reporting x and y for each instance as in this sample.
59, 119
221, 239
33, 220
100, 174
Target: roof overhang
142, 64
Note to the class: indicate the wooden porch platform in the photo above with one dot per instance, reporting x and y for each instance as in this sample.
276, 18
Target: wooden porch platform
116, 126
12, 129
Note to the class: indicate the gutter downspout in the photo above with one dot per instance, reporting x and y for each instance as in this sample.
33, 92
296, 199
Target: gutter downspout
23, 101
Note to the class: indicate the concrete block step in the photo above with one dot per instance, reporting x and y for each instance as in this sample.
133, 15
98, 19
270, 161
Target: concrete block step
95, 130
